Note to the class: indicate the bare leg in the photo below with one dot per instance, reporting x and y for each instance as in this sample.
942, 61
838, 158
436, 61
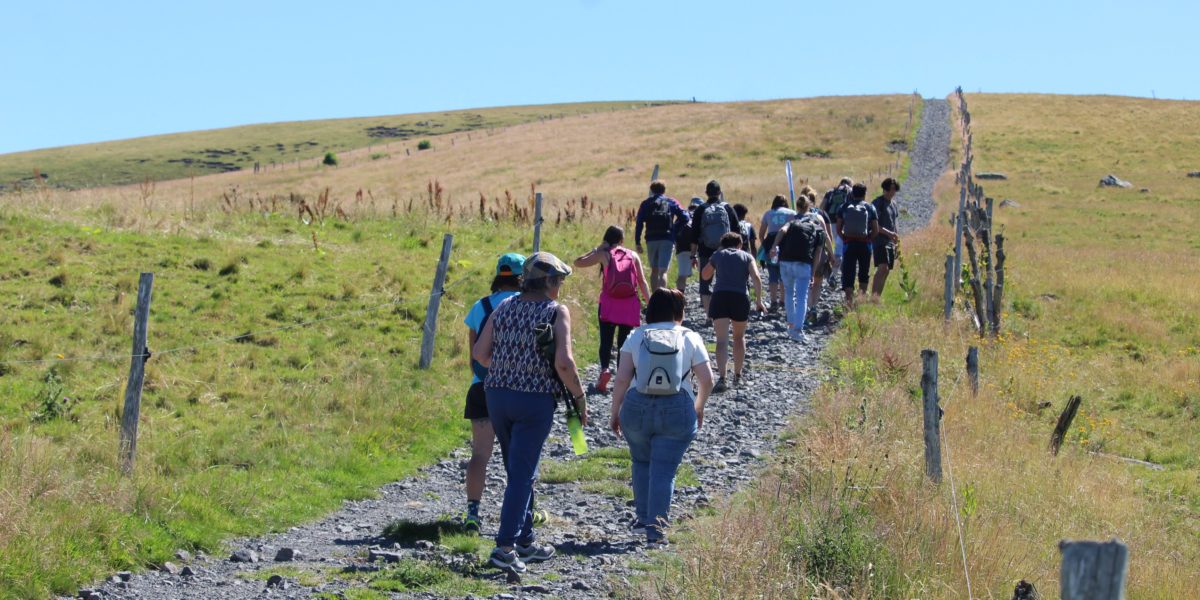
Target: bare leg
681, 284
739, 347
482, 440
722, 329
881, 275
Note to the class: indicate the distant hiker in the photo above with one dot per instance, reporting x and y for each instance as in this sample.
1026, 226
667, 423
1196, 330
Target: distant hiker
654, 407
772, 221
746, 229
683, 247
521, 388
712, 220
857, 223
621, 280
661, 215
885, 242
506, 283
832, 204
823, 263
730, 305
798, 244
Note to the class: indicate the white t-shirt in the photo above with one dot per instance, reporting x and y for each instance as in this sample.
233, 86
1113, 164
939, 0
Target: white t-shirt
694, 351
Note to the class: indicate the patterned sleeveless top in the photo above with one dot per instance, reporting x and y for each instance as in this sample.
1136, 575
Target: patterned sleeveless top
516, 364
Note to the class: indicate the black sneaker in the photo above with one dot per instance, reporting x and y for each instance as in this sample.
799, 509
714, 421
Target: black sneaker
507, 560
720, 386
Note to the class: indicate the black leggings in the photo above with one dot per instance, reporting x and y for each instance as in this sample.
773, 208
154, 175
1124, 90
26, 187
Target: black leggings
606, 341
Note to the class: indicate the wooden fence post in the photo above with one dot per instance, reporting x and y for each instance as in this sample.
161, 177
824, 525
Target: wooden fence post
933, 415
1064, 423
998, 295
537, 222
950, 280
137, 373
973, 369
654, 175
1093, 570
958, 228
429, 329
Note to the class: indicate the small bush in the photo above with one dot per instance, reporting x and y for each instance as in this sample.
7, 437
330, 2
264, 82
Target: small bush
59, 280
202, 264
379, 155
52, 403
424, 145
230, 268
331, 160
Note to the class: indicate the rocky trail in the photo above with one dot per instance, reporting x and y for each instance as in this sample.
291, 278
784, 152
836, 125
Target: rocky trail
348, 550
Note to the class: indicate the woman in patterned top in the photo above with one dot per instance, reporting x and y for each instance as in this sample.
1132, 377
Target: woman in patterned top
521, 389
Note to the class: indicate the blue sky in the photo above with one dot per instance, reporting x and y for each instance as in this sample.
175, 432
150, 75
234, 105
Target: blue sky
79, 72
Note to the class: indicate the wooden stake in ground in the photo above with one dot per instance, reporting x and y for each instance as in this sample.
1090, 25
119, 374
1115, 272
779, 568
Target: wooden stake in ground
537, 222
973, 369
998, 296
429, 329
1093, 570
137, 372
1064, 423
950, 281
933, 415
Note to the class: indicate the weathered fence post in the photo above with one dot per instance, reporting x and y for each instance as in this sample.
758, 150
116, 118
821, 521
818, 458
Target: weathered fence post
537, 222
998, 296
973, 369
429, 329
1093, 570
950, 279
933, 415
1064, 423
137, 373
654, 175
958, 229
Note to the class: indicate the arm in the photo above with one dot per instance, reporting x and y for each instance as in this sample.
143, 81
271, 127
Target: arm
704, 380
762, 229
774, 251
624, 379
597, 255
840, 223
682, 217
708, 271
637, 230
641, 278
564, 360
753, 242
758, 286
874, 227
472, 337
481, 350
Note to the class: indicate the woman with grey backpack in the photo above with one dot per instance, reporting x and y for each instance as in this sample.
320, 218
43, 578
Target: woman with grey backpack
655, 408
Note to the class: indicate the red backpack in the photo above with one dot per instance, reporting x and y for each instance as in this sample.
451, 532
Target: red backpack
620, 277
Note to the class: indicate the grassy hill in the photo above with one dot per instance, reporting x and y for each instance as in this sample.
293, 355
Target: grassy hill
1101, 302
271, 145
322, 401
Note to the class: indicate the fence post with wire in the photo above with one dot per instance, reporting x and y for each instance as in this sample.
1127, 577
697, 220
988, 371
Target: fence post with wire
1093, 570
137, 373
933, 415
429, 329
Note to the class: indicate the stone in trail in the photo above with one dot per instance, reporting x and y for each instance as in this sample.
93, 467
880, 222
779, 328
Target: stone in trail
1111, 180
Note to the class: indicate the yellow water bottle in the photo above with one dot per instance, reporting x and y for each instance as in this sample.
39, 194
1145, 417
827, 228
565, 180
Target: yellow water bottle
575, 428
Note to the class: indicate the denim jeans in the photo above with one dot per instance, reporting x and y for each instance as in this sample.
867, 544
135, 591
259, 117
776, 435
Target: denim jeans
659, 430
796, 278
522, 423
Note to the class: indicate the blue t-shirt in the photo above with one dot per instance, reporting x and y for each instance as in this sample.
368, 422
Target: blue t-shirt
474, 318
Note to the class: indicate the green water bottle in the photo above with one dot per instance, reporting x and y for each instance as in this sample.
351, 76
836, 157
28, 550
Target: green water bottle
575, 428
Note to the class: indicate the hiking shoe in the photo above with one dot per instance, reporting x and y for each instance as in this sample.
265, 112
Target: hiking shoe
535, 552
507, 560
735, 381
657, 544
471, 523
637, 528
720, 386
602, 381
797, 335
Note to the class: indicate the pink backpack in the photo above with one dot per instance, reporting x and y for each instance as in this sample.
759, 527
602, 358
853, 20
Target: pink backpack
620, 277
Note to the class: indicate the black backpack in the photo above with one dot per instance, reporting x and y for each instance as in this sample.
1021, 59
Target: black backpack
659, 220
801, 240
481, 371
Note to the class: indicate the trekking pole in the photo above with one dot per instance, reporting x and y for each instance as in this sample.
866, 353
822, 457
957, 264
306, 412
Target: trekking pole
787, 166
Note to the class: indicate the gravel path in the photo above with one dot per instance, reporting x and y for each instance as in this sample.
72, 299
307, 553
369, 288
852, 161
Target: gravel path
589, 528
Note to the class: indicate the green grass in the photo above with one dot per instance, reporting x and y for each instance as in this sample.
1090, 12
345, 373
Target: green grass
605, 471
199, 153
420, 576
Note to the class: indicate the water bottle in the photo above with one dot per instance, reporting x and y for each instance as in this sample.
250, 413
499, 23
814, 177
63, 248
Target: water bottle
575, 428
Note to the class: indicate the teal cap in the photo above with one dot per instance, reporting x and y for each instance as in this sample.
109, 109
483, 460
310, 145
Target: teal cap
510, 264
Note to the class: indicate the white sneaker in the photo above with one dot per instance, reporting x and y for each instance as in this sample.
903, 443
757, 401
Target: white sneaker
797, 335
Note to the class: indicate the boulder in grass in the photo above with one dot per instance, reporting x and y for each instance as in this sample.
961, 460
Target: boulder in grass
1007, 202
1111, 180
1194, 174
996, 176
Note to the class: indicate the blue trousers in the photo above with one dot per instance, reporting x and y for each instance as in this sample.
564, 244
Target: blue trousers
797, 276
659, 430
522, 422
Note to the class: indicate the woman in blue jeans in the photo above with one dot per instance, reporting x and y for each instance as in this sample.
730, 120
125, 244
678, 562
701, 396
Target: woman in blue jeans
655, 408
797, 245
521, 388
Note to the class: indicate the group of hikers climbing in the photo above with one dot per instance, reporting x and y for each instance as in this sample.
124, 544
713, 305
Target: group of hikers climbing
521, 351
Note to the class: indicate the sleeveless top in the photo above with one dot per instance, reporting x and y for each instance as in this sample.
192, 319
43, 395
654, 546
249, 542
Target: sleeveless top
516, 364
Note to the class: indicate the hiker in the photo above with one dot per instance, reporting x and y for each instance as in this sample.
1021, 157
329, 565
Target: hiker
506, 283
832, 204
746, 229
798, 243
712, 220
772, 220
823, 263
521, 388
654, 407
661, 215
730, 305
885, 243
857, 223
683, 246
620, 309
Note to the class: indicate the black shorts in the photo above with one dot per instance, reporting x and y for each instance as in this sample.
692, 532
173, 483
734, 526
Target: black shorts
729, 305
885, 254
476, 403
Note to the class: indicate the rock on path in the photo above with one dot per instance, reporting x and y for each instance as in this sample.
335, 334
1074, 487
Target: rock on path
589, 529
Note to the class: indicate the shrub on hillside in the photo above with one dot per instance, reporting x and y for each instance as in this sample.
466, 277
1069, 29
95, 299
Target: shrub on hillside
424, 145
330, 160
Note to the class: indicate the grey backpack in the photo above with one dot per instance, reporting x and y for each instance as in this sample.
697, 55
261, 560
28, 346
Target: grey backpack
856, 220
714, 223
660, 367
